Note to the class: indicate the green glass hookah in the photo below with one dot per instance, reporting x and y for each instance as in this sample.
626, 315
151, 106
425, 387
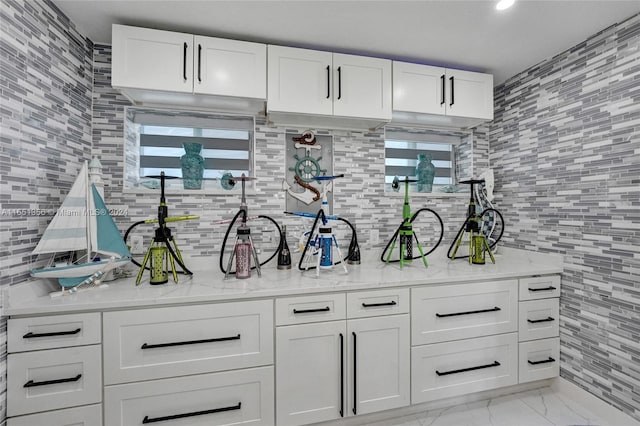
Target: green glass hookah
405, 232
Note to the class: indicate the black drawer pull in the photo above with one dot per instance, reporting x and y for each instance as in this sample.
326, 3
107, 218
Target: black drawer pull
370, 305
544, 361
148, 419
190, 342
31, 335
308, 311
468, 312
31, 383
463, 370
547, 319
543, 288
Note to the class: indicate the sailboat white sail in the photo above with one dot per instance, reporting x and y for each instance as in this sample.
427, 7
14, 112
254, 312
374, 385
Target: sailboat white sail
82, 223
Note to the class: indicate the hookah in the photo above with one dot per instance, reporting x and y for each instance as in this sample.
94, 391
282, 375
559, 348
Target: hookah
473, 224
163, 252
244, 250
405, 232
322, 242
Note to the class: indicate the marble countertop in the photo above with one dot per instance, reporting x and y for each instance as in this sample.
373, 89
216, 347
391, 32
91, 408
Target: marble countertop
32, 297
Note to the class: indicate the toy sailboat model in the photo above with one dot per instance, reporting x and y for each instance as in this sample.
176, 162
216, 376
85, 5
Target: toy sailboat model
82, 224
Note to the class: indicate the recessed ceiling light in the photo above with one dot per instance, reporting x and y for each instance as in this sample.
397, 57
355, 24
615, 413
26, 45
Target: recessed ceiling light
504, 4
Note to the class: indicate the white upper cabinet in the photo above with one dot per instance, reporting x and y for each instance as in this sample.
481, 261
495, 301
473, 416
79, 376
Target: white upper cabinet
469, 94
434, 95
418, 88
362, 87
299, 80
230, 68
163, 67
151, 59
324, 83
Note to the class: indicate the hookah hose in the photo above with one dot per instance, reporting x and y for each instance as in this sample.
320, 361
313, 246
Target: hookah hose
244, 218
415, 215
185, 270
464, 224
354, 238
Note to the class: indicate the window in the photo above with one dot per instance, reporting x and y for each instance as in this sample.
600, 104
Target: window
155, 141
403, 147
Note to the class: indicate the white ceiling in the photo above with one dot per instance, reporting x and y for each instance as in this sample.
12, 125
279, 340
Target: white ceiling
462, 34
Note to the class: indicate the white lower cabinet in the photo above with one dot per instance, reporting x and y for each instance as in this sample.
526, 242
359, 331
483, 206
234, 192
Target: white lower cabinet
449, 369
378, 367
167, 342
52, 379
89, 415
539, 359
335, 369
453, 312
310, 373
228, 398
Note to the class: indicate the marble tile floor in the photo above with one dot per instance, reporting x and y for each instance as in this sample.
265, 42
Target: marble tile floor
539, 407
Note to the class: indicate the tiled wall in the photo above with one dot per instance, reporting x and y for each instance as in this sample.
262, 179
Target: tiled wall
360, 197
45, 92
565, 147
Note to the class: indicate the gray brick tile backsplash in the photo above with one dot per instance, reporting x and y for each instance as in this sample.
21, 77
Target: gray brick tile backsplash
565, 145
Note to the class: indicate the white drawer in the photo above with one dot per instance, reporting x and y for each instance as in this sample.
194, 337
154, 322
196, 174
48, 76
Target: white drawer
89, 415
449, 369
54, 331
460, 311
374, 303
166, 342
306, 309
227, 398
539, 359
540, 287
538, 319
51, 379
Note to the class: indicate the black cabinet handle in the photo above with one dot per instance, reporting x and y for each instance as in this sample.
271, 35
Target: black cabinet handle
328, 81
452, 96
31, 335
544, 361
463, 370
307, 311
190, 342
339, 82
543, 288
355, 372
341, 375
184, 62
31, 383
148, 419
199, 62
370, 305
442, 83
547, 319
455, 314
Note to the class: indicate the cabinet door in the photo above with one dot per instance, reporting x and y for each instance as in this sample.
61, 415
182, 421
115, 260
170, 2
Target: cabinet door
362, 87
378, 360
418, 88
310, 371
230, 68
299, 80
469, 94
143, 58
